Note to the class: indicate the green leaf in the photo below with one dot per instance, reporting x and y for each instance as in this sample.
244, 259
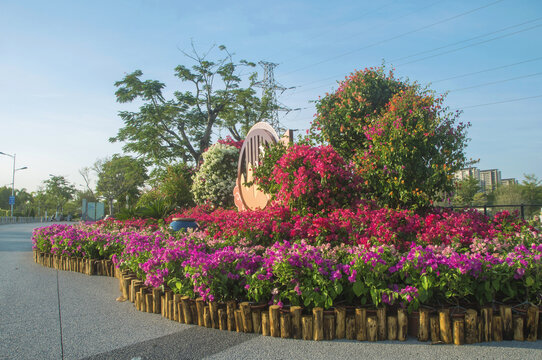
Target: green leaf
425, 283
338, 288
529, 281
358, 288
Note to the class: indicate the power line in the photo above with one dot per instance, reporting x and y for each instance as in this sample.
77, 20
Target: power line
496, 82
363, 16
467, 40
501, 102
447, 52
485, 70
471, 45
431, 50
397, 36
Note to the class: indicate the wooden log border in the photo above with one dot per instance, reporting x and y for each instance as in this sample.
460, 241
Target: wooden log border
482, 325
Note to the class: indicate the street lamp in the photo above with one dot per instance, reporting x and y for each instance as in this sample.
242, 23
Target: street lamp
12, 201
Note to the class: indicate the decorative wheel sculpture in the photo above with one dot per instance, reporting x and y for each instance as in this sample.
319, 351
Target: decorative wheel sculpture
258, 138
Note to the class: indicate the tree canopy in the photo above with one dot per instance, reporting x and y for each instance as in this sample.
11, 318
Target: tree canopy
119, 177
180, 128
404, 141
59, 190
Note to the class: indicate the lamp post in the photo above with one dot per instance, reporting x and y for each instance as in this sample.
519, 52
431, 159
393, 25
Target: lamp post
13, 179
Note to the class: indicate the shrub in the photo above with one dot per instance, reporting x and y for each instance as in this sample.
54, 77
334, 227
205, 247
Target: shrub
403, 141
314, 178
360, 98
214, 181
413, 150
176, 185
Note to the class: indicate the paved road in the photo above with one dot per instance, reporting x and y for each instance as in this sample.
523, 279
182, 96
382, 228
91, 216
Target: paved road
49, 314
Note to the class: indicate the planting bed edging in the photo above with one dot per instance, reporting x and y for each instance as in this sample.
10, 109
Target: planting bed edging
489, 324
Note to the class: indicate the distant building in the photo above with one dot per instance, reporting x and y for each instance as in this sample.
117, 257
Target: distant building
490, 179
466, 173
509, 181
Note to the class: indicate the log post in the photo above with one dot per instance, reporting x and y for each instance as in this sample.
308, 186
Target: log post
318, 323
149, 302
213, 309
200, 304
168, 296
230, 313
143, 302
434, 325
423, 330
507, 328
274, 320
285, 326
372, 331
306, 327
487, 323
222, 319
256, 321
459, 331
238, 320
402, 325
265, 324
361, 324
135, 285
126, 281
392, 327
471, 326
517, 323
194, 311
295, 312
340, 323
532, 323
497, 328
445, 326
329, 327
138, 301
179, 307
381, 323
187, 313
480, 329
246, 317
207, 317
177, 315
350, 327
170, 306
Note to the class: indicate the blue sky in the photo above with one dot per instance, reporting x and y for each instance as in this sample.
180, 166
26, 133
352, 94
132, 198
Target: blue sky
60, 59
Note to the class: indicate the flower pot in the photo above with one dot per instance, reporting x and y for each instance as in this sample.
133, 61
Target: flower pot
183, 223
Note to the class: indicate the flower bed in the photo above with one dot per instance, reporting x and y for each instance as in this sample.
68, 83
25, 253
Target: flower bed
358, 257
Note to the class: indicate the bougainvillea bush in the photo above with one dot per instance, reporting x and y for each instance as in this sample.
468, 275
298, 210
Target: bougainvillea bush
306, 178
396, 257
404, 142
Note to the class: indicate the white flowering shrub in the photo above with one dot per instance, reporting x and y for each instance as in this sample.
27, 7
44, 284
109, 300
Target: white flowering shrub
213, 183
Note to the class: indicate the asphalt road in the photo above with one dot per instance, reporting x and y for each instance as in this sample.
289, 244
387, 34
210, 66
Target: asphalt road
50, 314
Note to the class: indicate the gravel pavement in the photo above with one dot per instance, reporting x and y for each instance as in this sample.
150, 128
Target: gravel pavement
50, 314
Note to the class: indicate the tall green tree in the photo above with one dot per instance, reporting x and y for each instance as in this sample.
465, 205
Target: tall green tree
5, 193
531, 189
119, 178
465, 190
166, 130
59, 191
